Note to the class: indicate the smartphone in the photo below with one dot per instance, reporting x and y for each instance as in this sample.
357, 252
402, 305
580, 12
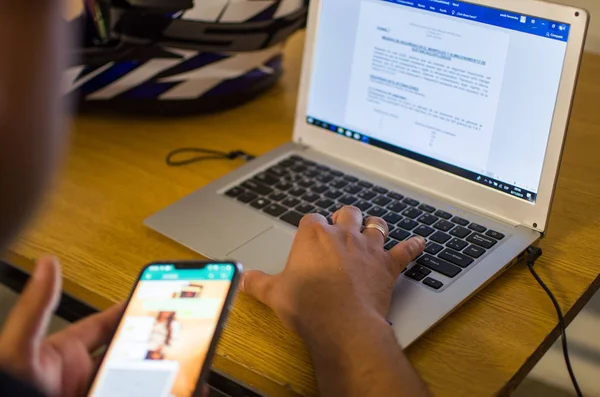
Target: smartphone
165, 340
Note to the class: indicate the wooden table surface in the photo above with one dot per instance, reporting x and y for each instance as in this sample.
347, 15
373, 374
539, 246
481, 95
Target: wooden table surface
116, 176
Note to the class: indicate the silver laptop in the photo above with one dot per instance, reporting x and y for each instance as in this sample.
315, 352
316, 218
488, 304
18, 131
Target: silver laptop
446, 118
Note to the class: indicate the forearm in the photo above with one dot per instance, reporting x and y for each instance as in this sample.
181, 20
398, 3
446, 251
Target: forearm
362, 360
32, 57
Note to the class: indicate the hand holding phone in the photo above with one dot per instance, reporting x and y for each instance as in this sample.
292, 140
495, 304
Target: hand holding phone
166, 338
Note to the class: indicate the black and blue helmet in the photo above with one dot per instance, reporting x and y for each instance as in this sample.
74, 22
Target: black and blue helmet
180, 56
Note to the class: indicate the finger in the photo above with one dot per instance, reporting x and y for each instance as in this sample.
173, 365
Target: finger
406, 252
94, 331
375, 236
310, 219
348, 218
258, 285
28, 322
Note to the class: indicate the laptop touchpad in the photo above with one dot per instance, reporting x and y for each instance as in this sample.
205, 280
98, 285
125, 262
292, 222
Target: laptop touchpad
267, 251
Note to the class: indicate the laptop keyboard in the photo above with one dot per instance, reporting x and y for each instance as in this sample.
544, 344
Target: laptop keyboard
296, 186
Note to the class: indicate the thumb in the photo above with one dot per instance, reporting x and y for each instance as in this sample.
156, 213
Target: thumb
28, 321
258, 285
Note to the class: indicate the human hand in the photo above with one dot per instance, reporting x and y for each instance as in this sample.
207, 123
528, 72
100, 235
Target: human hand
334, 274
61, 364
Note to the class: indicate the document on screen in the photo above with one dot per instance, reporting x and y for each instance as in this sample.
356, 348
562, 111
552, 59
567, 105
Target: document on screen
427, 83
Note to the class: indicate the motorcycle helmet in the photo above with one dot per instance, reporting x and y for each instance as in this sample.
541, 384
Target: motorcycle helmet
175, 57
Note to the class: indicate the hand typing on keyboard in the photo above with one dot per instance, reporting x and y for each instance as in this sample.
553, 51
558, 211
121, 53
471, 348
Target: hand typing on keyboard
334, 292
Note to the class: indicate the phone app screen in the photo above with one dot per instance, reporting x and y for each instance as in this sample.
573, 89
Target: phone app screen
163, 339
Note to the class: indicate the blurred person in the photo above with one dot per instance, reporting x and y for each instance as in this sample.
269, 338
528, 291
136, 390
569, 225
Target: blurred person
334, 292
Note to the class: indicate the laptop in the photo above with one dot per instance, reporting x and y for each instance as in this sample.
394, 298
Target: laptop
445, 118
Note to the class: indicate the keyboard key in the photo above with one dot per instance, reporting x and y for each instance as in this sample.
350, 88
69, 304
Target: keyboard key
305, 182
284, 186
395, 196
267, 179
412, 213
297, 191
290, 202
380, 190
474, 251
456, 257
339, 184
377, 211
477, 228
278, 171
322, 167
278, 196
424, 231
320, 211
234, 192
311, 197
365, 184
275, 209
351, 178
411, 201
336, 207
391, 244
444, 226
382, 201
336, 173
257, 187
481, 240
397, 207
421, 269
305, 208
494, 234
311, 173
457, 244
367, 195
298, 168
415, 275
309, 163
293, 177
319, 188
427, 208
443, 214
460, 221
296, 158
440, 237
407, 224
439, 265
292, 217
433, 283
352, 189
325, 178
399, 234
348, 200
433, 248
247, 197
363, 205
460, 232
392, 218
324, 203
334, 194
260, 203
428, 219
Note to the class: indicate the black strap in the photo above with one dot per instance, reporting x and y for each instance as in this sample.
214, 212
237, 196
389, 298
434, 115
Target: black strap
200, 154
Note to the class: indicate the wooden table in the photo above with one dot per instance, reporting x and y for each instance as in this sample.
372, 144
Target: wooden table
116, 176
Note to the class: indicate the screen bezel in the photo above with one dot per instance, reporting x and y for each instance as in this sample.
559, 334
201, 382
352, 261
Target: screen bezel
444, 184
231, 293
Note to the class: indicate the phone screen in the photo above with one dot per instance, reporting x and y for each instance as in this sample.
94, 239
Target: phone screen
166, 331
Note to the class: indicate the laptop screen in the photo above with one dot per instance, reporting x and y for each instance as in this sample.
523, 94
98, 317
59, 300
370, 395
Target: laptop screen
468, 89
